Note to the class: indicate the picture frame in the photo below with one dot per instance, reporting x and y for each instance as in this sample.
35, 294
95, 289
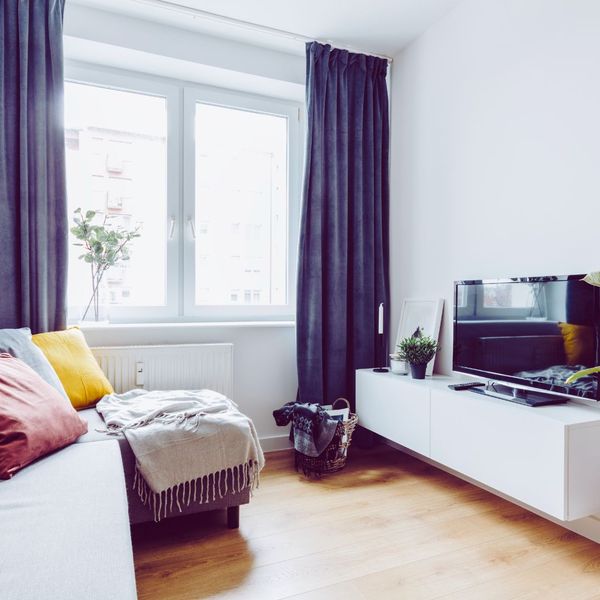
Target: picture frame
423, 313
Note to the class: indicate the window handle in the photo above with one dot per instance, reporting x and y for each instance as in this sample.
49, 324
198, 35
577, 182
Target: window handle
171, 228
192, 227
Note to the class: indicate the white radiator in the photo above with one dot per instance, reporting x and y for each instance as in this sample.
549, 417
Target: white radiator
169, 367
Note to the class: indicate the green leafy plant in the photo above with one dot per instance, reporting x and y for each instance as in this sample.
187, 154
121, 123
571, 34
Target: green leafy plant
417, 349
399, 354
105, 246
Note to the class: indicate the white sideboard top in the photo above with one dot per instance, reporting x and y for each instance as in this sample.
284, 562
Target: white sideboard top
573, 413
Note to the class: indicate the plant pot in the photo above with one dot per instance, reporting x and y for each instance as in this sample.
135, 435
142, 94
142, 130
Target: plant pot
418, 371
398, 367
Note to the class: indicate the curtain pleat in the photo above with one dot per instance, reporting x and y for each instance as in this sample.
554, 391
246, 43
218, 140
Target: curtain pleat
33, 210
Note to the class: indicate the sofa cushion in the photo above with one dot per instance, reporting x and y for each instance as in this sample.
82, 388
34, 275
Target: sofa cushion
18, 343
96, 428
35, 419
65, 528
70, 356
579, 343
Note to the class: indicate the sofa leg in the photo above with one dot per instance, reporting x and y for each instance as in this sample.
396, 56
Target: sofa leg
233, 517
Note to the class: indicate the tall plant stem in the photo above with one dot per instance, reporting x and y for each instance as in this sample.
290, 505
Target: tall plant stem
96, 280
87, 308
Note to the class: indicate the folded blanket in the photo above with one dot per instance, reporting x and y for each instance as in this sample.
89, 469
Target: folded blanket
189, 445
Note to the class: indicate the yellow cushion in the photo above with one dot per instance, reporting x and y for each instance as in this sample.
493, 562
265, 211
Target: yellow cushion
70, 356
578, 341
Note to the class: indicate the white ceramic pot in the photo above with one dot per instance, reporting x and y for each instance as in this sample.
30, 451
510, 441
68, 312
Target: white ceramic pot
399, 367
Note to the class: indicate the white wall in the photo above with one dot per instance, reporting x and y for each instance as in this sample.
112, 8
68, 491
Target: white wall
117, 40
264, 354
495, 156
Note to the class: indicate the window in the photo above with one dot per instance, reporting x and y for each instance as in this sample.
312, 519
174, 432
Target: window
507, 295
461, 296
241, 172
217, 213
500, 301
512, 300
117, 166
241, 205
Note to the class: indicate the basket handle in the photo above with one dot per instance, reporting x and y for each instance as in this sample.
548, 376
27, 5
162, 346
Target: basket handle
342, 400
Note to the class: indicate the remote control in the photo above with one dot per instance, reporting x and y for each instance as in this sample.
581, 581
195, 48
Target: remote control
467, 385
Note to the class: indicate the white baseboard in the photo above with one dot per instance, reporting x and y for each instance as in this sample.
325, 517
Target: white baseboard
274, 443
588, 527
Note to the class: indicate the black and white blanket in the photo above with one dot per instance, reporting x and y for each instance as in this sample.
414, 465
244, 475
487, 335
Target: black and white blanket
312, 428
555, 376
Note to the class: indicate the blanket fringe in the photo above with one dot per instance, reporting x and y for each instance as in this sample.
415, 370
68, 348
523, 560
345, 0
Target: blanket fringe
202, 490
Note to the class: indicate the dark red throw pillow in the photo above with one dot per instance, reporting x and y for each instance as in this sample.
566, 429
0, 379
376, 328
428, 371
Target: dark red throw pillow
35, 419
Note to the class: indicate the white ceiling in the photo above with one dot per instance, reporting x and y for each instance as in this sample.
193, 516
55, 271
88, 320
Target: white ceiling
378, 26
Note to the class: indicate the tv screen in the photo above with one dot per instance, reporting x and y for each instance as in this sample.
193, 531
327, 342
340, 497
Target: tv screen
531, 331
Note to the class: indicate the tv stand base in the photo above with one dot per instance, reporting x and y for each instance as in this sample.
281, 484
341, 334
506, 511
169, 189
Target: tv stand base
525, 397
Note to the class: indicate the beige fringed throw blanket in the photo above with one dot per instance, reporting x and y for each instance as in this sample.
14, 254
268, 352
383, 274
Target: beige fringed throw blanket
190, 446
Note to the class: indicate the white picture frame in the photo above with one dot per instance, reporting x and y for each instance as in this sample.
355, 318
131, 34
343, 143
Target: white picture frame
423, 313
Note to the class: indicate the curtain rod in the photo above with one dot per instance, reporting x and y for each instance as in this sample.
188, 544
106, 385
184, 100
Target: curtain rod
203, 14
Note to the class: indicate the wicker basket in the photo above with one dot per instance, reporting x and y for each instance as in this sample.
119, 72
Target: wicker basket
333, 458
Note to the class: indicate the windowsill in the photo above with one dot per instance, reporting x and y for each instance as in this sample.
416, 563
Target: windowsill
103, 326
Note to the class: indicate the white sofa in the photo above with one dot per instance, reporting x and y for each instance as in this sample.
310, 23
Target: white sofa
64, 528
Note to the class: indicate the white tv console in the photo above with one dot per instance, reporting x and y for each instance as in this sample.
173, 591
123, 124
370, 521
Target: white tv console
547, 457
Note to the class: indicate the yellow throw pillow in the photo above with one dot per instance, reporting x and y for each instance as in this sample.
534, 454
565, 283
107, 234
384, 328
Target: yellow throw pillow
70, 356
578, 341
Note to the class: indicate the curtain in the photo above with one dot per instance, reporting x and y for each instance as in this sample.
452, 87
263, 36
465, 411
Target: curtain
344, 247
33, 213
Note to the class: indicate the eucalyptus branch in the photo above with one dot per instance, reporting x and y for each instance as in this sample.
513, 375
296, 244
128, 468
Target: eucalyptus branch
105, 246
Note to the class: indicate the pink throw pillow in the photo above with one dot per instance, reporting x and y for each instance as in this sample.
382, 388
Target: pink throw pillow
35, 419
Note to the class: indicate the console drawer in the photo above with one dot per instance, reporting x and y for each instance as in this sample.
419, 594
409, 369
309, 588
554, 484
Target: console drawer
505, 446
397, 412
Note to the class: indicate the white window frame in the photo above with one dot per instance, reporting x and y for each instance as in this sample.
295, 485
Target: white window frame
237, 100
118, 81
180, 278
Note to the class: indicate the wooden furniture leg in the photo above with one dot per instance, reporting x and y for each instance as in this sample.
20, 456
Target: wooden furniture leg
233, 517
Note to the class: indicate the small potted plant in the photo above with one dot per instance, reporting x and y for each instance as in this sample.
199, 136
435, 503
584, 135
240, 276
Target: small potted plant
398, 362
418, 350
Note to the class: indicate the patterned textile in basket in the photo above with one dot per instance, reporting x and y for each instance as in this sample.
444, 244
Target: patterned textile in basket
333, 458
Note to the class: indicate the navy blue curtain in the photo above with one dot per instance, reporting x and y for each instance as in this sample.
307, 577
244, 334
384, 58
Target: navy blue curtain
344, 247
33, 213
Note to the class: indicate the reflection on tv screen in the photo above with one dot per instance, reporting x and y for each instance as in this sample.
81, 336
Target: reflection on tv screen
537, 331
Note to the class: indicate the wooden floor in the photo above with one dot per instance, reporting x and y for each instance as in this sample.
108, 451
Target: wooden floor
388, 526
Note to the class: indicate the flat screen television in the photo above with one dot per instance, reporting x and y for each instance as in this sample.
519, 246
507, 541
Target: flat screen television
531, 333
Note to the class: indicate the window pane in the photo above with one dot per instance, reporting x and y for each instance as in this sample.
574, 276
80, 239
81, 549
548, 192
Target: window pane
508, 295
241, 207
116, 145
461, 296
